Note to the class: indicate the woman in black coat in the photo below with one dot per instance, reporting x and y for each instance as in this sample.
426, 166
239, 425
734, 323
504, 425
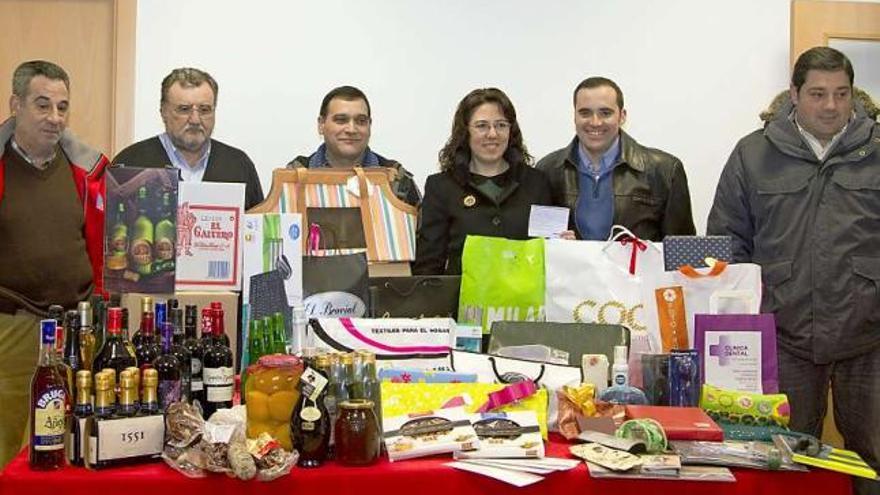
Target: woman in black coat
486, 185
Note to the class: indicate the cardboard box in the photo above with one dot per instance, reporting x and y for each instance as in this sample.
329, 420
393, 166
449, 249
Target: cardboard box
209, 243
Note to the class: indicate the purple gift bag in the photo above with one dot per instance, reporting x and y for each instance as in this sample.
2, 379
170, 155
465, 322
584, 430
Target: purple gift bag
738, 352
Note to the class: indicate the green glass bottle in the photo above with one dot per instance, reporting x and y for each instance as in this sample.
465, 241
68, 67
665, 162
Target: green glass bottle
165, 236
142, 237
268, 335
118, 259
255, 342
279, 338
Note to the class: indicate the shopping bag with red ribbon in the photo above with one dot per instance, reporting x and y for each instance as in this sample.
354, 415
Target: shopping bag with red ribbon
600, 282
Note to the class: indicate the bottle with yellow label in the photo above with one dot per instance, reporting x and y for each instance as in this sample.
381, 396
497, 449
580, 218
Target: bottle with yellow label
48, 405
142, 238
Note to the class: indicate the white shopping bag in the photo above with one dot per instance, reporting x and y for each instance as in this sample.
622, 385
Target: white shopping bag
600, 282
673, 298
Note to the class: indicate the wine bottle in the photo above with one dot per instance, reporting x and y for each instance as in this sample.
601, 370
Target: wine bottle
168, 367
128, 395
183, 355
114, 355
77, 445
118, 257
148, 350
149, 399
218, 373
142, 237
165, 236
192, 344
105, 405
146, 307
86, 335
219, 323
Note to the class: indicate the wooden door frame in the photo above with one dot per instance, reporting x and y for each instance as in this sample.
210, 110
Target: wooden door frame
125, 31
814, 22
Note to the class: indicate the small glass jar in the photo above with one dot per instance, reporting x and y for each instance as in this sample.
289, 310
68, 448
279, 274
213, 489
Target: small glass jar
357, 433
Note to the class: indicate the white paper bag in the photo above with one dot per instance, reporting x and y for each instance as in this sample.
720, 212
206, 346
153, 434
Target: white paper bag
723, 289
600, 282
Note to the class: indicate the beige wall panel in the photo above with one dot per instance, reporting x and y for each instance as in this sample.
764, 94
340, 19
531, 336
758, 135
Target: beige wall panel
81, 36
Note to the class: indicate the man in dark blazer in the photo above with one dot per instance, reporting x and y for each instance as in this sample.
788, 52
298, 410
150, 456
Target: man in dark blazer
188, 109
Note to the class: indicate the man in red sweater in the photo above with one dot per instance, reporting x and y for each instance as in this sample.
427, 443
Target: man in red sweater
51, 227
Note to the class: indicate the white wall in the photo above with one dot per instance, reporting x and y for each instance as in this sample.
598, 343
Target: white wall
695, 73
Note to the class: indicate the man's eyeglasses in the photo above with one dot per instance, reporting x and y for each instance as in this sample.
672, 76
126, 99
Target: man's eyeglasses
187, 110
483, 127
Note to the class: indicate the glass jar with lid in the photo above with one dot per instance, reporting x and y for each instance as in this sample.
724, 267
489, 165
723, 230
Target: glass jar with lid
357, 433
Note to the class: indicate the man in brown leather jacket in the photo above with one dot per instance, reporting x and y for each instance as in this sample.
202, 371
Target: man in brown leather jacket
606, 178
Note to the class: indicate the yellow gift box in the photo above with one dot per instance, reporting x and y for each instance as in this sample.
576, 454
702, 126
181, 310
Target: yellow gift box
409, 398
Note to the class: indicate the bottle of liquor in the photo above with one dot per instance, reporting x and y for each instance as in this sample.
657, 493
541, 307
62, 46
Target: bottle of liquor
114, 355
149, 399
192, 344
118, 258
142, 237
168, 367
219, 323
161, 317
128, 396
165, 236
184, 357
56, 313
371, 386
310, 423
126, 333
110, 374
148, 350
99, 323
146, 307
86, 335
48, 403
77, 445
72, 356
105, 406
135, 374
218, 373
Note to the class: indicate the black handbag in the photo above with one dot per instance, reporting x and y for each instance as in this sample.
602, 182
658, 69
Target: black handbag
418, 296
576, 339
335, 286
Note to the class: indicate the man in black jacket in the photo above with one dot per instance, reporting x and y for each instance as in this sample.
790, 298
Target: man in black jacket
188, 109
345, 122
606, 178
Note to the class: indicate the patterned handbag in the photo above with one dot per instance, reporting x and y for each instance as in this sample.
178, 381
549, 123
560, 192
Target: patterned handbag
389, 224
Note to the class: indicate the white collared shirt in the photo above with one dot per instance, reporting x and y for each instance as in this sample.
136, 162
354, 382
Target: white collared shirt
187, 173
818, 148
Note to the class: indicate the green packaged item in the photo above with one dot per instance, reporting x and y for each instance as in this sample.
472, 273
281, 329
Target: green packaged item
501, 280
734, 407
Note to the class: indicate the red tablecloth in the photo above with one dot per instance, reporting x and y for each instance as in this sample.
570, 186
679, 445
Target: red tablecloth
411, 477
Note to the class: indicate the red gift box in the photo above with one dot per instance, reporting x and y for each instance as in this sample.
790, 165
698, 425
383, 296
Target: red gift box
680, 423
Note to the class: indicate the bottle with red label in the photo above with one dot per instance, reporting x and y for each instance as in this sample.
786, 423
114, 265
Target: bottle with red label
48, 404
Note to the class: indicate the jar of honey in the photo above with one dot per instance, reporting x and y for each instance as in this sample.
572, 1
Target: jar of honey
357, 433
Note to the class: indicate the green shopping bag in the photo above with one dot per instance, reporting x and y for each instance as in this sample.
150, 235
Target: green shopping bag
501, 280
